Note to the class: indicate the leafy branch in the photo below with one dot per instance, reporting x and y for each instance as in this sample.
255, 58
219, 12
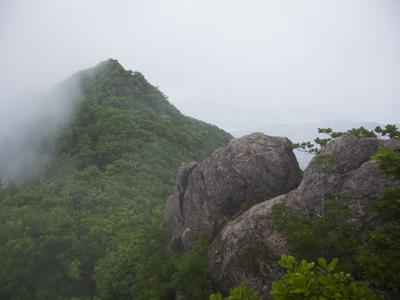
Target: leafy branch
390, 130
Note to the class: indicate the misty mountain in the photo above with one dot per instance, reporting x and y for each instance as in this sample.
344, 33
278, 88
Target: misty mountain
98, 199
300, 132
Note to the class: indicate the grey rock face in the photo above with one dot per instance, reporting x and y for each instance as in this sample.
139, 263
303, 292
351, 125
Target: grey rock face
367, 183
247, 249
343, 166
174, 219
245, 172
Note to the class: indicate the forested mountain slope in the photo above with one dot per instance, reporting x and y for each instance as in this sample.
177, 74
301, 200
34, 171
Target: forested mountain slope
86, 226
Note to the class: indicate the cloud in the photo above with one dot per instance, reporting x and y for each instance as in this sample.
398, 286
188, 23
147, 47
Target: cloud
30, 125
236, 64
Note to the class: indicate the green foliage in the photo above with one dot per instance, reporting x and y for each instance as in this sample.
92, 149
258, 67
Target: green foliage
379, 254
388, 161
140, 267
330, 235
319, 142
89, 225
306, 147
305, 280
362, 132
240, 292
192, 277
327, 162
389, 130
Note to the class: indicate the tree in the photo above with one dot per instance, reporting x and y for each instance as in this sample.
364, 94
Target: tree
240, 292
379, 254
192, 277
306, 280
319, 142
332, 235
388, 161
389, 130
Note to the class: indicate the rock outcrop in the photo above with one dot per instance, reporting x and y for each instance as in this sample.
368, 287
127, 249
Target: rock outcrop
246, 248
343, 166
245, 172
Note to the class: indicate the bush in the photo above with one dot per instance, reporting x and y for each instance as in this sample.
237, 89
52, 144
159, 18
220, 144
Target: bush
305, 280
240, 292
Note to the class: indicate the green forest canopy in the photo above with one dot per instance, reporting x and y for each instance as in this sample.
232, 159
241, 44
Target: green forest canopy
87, 225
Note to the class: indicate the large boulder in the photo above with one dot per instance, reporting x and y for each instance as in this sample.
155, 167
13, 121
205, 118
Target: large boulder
245, 172
247, 249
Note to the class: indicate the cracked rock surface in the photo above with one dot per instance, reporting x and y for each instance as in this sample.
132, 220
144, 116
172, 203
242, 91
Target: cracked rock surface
343, 166
246, 171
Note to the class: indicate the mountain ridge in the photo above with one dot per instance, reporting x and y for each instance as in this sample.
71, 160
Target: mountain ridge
69, 231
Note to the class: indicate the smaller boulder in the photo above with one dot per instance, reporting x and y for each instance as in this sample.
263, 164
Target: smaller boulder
247, 249
330, 169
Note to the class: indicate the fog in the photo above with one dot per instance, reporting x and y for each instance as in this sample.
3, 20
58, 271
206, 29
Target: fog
237, 64
30, 125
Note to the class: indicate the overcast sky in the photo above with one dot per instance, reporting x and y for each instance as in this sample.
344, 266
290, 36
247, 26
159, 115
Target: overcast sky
232, 63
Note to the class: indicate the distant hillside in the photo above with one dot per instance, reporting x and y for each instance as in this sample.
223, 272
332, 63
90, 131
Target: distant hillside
66, 233
300, 132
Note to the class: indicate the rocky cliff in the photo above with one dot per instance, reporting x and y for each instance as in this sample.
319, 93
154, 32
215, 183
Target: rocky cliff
231, 194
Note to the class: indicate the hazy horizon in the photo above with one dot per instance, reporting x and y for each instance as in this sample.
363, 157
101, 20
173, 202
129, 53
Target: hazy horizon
231, 63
